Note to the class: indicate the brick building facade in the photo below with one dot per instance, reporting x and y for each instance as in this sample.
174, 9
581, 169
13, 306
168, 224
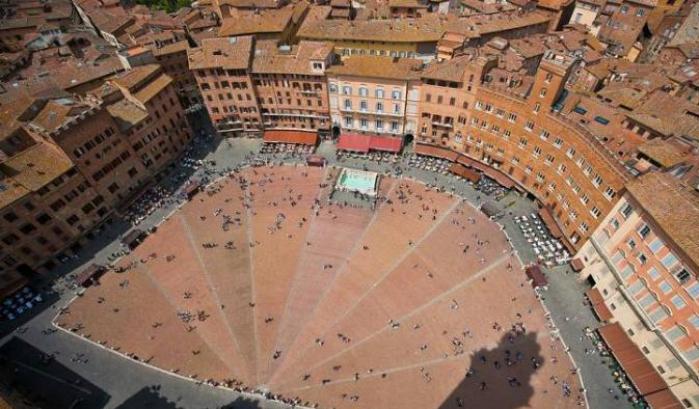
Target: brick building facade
46, 206
66, 165
377, 95
290, 85
222, 68
251, 85
557, 161
642, 262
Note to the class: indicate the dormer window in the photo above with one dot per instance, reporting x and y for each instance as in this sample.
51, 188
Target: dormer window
317, 66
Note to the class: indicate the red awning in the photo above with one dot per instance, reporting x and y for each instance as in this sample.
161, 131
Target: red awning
436, 151
577, 265
298, 137
354, 142
133, 238
536, 275
597, 301
594, 296
315, 160
92, 271
192, 189
465, 160
641, 372
386, 143
547, 217
663, 400
500, 178
364, 143
464, 172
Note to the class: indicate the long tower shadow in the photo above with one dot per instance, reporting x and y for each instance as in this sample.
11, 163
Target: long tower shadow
499, 378
43, 380
151, 398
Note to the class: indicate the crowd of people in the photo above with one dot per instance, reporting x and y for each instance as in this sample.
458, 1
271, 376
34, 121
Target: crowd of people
287, 150
160, 197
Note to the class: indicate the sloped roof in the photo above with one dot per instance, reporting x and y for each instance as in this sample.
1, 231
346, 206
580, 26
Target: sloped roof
137, 76
668, 115
30, 170
226, 53
297, 60
673, 205
450, 70
56, 112
664, 152
245, 22
153, 88
390, 30
126, 114
378, 67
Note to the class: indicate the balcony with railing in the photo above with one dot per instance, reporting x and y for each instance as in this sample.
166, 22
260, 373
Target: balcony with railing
294, 115
605, 153
366, 111
446, 122
640, 312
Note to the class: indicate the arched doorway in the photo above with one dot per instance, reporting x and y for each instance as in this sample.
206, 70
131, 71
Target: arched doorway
335, 132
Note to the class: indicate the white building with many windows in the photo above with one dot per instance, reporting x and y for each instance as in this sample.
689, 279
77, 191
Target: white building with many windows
374, 95
642, 262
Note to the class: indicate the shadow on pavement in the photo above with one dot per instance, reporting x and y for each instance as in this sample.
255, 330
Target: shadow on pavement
243, 403
71, 261
150, 398
499, 378
40, 378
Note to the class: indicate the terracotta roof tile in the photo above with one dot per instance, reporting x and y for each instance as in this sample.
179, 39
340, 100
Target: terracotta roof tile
11, 111
137, 77
56, 113
269, 58
427, 29
406, 3
604, 121
553, 4
225, 53
153, 88
252, 3
487, 8
126, 114
31, 170
180, 46
108, 21
451, 70
668, 115
245, 22
664, 152
378, 67
10, 190
673, 205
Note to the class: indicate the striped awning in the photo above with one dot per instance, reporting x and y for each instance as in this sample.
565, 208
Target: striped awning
436, 152
639, 370
464, 172
598, 305
297, 137
363, 143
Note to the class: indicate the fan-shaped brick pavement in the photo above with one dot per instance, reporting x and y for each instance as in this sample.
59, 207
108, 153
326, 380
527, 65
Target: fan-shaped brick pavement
261, 280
